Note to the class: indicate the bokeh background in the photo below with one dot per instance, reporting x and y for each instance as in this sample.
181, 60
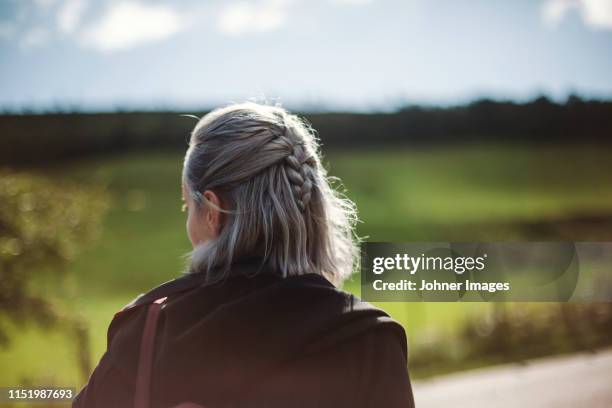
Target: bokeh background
445, 121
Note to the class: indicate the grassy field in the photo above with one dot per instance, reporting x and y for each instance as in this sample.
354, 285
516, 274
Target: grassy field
468, 193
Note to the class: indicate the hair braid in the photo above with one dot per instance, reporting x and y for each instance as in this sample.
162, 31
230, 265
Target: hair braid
299, 167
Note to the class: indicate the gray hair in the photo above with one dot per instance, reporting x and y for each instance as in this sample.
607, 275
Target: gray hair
264, 164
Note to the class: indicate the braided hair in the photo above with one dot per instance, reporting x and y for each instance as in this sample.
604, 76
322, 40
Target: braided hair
300, 169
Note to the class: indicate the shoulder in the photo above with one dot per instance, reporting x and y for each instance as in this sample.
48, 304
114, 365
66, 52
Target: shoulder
132, 314
166, 289
171, 290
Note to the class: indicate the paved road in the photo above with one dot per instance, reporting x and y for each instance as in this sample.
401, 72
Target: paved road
580, 380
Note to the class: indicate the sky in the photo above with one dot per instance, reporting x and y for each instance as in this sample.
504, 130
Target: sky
309, 54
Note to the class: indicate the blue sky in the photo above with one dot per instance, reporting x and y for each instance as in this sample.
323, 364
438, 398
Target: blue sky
333, 54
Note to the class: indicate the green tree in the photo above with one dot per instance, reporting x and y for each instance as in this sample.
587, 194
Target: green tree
44, 222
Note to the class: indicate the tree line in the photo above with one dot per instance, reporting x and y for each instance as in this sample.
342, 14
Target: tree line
31, 139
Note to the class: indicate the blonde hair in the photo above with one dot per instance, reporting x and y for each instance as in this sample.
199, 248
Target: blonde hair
264, 164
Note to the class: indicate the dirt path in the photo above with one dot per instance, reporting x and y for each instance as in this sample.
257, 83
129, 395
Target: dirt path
580, 380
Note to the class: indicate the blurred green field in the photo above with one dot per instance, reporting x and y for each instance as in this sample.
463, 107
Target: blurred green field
467, 193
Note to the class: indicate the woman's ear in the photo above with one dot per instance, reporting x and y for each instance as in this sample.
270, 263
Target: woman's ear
214, 217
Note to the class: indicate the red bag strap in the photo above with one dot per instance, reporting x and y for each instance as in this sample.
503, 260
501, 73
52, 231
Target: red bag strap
145, 361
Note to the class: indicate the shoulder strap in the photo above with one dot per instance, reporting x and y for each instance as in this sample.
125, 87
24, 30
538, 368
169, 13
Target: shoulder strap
145, 361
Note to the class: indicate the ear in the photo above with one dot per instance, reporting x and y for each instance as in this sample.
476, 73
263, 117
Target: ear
214, 217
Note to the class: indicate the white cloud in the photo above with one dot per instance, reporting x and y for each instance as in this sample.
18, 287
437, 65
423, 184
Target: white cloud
553, 11
241, 18
127, 24
34, 38
598, 13
595, 13
70, 14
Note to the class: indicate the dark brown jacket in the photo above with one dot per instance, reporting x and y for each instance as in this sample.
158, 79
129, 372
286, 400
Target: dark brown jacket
256, 340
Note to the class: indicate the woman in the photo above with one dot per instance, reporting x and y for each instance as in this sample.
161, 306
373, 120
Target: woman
257, 320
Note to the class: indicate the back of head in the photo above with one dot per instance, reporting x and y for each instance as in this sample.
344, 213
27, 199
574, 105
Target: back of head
264, 164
